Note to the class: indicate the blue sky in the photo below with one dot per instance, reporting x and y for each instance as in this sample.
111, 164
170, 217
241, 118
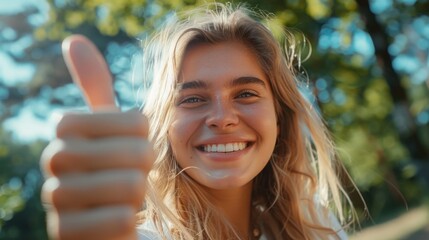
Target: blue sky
26, 127
12, 6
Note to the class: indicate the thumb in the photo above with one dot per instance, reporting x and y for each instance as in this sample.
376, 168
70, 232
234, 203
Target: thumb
89, 72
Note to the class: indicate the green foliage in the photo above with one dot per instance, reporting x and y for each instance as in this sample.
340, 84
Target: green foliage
11, 200
20, 179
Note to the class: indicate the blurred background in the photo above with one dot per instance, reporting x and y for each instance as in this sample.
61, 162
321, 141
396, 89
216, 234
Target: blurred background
368, 74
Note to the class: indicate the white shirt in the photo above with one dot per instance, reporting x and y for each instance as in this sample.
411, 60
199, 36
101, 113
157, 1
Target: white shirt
148, 231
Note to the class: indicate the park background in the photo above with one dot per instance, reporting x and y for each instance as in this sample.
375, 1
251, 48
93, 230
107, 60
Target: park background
368, 75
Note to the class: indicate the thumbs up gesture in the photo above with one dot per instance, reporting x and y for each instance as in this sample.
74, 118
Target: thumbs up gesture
96, 168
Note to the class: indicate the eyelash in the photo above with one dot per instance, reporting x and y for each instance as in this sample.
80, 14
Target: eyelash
247, 93
192, 99
196, 99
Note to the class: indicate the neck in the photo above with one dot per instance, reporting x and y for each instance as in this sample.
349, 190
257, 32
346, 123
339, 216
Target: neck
235, 204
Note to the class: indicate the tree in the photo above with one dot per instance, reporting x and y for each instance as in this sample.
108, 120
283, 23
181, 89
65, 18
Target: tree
20, 179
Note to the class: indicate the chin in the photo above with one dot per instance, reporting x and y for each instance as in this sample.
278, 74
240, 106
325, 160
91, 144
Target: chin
223, 180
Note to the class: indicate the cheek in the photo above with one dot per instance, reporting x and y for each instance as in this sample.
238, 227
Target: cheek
269, 130
180, 133
264, 120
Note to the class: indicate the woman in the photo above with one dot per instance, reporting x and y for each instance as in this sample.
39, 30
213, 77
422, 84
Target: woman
237, 152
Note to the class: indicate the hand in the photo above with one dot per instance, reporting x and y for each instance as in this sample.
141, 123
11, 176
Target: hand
96, 168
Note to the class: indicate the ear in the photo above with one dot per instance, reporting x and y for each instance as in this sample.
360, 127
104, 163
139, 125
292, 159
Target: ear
89, 72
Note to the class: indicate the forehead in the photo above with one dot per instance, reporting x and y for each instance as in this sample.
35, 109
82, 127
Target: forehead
210, 61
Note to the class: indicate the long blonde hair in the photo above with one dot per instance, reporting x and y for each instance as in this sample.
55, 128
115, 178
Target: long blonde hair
291, 194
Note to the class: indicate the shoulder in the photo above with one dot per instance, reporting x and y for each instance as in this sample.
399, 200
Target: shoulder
331, 221
328, 219
144, 234
336, 226
147, 231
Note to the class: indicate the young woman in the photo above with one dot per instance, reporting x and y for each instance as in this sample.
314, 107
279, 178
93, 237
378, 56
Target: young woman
227, 147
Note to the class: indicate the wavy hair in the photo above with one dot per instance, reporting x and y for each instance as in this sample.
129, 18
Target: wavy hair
292, 194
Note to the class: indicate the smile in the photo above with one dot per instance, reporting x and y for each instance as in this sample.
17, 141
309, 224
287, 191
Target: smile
224, 148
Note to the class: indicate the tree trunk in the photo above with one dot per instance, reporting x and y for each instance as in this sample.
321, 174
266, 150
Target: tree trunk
402, 117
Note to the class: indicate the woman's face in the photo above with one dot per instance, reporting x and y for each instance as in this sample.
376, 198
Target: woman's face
224, 128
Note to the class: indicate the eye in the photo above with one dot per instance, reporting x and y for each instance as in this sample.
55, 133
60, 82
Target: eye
190, 100
247, 94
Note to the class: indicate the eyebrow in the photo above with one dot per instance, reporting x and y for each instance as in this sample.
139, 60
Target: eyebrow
198, 84
247, 80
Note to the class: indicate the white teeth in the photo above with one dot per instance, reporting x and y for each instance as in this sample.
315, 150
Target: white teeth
221, 148
229, 147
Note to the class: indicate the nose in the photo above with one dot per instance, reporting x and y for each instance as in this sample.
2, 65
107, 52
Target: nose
222, 115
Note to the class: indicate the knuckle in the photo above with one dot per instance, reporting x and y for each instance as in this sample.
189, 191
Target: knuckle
146, 155
63, 126
45, 161
52, 225
57, 198
135, 187
141, 124
58, 158
50, 191
52, 157
126, 221
135, 179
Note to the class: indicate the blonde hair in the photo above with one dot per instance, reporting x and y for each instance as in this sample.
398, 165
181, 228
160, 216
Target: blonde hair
292, 193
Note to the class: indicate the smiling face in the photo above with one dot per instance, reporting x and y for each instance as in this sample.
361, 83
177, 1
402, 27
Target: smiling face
224, 128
